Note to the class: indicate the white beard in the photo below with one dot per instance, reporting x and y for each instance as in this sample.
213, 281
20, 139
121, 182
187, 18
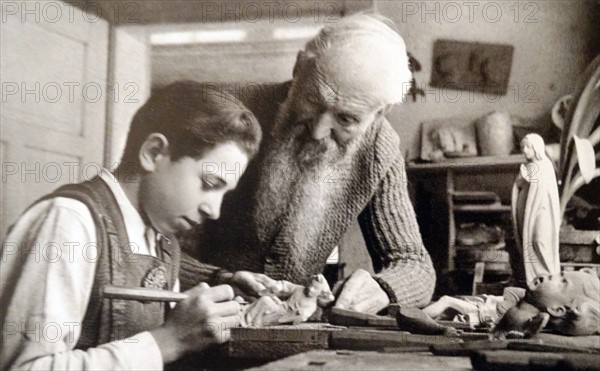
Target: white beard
298, 183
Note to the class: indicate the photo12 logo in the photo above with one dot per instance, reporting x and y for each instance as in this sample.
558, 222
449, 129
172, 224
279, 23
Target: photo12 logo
69, 92
42, 11
470, 11
269, 11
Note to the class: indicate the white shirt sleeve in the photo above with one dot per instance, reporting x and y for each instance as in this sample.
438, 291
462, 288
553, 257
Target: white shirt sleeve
48, 269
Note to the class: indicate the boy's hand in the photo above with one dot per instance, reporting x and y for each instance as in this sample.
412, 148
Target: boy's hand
198, 321
361, 293
258, 284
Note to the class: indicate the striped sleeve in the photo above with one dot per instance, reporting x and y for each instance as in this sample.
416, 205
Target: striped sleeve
192, 272
403, 265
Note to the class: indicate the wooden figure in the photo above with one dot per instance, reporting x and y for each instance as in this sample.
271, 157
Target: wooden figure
535, 211
299, 306
567, 301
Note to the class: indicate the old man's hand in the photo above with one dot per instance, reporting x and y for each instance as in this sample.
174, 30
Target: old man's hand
361, 293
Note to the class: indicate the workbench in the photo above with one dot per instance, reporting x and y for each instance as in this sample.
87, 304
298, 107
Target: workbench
367, 360
322, 346
484, 360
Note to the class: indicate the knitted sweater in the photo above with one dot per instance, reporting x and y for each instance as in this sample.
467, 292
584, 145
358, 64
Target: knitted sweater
370, 189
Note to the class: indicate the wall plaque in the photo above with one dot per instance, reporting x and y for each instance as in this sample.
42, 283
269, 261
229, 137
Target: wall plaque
471, 66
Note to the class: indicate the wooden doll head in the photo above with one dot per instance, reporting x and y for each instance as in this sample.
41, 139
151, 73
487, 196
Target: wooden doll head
554, 293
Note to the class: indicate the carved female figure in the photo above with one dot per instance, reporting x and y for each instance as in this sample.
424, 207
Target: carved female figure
535, 211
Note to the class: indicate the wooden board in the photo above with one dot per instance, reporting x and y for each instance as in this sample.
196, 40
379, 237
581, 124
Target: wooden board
352, 360
515, 360
579, 362
592, 341
281, 341
568, 234
356, 339
274, 342
302, 333
518, 360
540, 346
464, 349
529, 345
267, 350
343, 317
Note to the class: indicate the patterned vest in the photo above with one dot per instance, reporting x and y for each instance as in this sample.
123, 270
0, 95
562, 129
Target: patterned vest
117, 264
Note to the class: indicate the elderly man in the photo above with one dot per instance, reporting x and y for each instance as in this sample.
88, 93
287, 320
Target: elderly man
329, 158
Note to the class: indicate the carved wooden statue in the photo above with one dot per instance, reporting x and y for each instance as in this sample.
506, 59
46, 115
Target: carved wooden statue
535, 211
567, 302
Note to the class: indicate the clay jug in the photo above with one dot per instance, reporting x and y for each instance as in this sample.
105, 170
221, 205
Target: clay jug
495, 134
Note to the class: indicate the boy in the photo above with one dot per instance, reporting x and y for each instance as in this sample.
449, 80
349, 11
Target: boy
117, 229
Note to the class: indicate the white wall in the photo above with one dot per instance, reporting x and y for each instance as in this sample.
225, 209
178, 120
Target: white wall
259, 58
129, 82
552, 41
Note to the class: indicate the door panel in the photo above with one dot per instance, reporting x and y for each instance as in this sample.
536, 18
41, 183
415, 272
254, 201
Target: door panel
53, 103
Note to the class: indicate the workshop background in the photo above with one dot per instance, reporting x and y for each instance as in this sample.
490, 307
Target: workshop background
74, 73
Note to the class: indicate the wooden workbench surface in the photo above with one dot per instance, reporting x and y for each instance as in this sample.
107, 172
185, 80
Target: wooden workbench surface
365, 360
365, 342
312, 346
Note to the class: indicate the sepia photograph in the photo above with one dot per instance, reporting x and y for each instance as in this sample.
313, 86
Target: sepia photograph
300, 185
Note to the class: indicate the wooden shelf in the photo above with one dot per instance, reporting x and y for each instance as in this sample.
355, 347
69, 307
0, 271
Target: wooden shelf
570, 235
495, 208
460, 189
468, 163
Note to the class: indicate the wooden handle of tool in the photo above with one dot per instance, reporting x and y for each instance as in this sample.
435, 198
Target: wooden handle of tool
142, 294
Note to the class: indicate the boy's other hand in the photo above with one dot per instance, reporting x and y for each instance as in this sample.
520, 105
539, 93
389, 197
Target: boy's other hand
258, 284
204, 318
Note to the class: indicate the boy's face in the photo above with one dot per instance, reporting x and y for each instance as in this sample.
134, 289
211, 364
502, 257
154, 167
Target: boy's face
178, 195
557, 289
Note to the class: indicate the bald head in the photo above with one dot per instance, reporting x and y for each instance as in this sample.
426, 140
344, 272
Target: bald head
344, 80
360, 58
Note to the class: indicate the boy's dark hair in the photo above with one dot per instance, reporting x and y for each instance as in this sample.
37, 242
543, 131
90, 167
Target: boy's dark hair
194, 117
